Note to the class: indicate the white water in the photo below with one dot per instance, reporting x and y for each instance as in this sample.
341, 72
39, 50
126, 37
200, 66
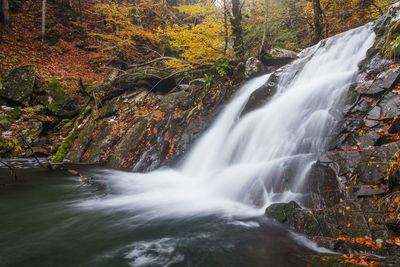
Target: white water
242, 165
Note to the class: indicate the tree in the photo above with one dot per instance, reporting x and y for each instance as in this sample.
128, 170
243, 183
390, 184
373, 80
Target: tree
201, 40
318, 21
43, 19
260, 52
5, 13
237, 32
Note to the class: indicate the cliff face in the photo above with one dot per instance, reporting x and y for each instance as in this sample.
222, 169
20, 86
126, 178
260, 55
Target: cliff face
352, 191
138, 129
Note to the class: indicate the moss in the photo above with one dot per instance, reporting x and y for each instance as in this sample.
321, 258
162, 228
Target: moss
58, 102
391, 47
15, 113
331, 260
266, 56
17, 84
62, 150
5, 122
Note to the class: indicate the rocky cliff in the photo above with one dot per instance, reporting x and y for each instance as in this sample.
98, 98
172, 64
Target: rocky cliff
352, 192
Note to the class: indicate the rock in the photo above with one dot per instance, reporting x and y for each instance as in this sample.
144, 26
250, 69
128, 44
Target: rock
17, 85
58, 102
261, 96
283, 53
374, 171
395, 127
323, 186
383, 82
147, 77
390, 105
253, 67
374, 114
128, 144
97, 148
110, 107
388, 79
296, 218
82, 141
341, 161
197, 82
367, 191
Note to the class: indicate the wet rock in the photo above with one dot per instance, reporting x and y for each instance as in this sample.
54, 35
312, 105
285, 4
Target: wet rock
390, 105
81, 143
17, 85
296, 218
373, 171
367, 192
261, 96
395, 127
374, 114
128, 144
387, 80
383, 82
253, 67
323, 185
97, 148
341, 161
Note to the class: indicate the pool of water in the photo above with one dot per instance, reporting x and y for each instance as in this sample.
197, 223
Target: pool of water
42, 225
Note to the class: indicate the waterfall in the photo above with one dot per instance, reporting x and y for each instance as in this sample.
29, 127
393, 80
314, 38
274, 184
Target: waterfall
244, 163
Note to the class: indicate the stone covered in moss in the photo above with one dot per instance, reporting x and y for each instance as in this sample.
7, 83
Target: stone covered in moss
58, 102
63, 149
17, 85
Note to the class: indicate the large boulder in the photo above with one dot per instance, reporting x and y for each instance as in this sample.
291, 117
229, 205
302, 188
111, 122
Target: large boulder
296, 218
283, 53
58, 102
253, 67
261, 96
17, 85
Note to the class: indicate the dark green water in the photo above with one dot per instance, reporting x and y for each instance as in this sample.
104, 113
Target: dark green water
40, 225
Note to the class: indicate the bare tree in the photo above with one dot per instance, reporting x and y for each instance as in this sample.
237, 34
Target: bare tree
318, 21
237, 32
260, 51
5, 13
43, 19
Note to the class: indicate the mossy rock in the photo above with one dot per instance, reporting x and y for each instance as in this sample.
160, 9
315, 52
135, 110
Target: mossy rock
63, 149
14, 113
58, 102
17, 85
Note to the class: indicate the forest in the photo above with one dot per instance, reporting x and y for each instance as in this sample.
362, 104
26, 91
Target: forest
67, 37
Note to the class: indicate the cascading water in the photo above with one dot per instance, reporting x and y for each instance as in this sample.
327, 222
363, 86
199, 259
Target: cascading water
243, 164
205, 212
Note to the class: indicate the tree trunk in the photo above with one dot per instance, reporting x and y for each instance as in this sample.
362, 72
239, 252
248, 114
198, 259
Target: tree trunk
318, 21
226, 28
260, 52
236, 22
43, 19
5, 13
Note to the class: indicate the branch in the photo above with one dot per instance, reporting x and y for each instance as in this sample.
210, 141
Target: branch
83, 88
152, 61
167, 77
29, 146
86, 181
12, 170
